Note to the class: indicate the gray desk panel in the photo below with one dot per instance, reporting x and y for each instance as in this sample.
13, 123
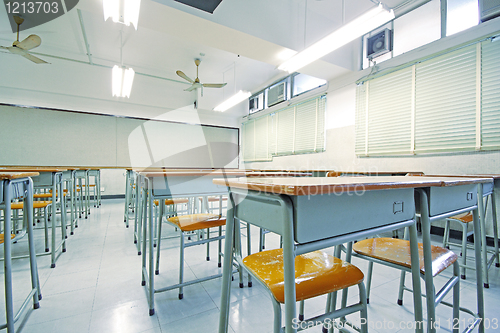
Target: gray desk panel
352, 212
176, 186
447, 199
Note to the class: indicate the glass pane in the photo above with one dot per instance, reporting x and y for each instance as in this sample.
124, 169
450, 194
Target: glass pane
462, 14
303, 83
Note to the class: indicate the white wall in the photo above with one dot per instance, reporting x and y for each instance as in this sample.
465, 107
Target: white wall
340, 130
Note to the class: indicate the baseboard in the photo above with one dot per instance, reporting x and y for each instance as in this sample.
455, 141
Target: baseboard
455, 234
111, 196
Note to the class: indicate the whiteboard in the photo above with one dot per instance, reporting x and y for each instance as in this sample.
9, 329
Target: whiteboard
47, 137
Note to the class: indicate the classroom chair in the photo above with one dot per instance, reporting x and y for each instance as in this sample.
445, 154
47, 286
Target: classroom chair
41, 206
464, 220
396, 253
193, 223
316, 273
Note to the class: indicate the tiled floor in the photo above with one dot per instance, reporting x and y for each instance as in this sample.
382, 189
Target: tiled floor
96, 287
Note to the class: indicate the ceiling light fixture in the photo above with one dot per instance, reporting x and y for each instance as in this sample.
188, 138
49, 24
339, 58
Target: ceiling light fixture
347, 33
122, 81
122, 78
240, 96
122, 11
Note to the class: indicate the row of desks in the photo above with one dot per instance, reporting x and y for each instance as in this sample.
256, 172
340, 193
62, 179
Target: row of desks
318, 212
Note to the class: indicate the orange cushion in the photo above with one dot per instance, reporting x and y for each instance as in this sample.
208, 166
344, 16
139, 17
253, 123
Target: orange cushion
172, 201
316, 273
464, 218
197, 221
36, 204
2, 237
397, 251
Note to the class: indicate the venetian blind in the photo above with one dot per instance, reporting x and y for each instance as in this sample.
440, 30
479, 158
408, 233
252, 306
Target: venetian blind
445, 102
490, 95
296, 129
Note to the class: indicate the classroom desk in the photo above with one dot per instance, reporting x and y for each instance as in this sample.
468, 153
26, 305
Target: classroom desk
172, 184
297, 208
485, 190
50, 177
12, 186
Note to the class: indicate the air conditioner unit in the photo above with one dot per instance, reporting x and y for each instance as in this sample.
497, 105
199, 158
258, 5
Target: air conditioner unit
379, 44
489, 9
276, 94
253, 104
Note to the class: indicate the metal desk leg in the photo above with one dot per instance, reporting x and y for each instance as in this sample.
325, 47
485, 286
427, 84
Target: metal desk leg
495, 227
87, 194
53, 220
482, 233
72, 204
289, 265
137, 214
35, 281
415, 275
127, 197
62, 202
479, 275
150, 254
227, 267
426, 243
7, 245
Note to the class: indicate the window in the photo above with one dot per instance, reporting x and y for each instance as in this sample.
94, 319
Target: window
283, 90
448, 103
462, 14
303, 83
296, 129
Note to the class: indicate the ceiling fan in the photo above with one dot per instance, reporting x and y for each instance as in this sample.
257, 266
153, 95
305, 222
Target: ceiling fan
22, 48
196, 83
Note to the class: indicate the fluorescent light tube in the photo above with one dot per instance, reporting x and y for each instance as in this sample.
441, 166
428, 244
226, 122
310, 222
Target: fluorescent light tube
128, 80
111, 8
128, 8
347, 33
240, 96
116, 76
122, 80
131, 15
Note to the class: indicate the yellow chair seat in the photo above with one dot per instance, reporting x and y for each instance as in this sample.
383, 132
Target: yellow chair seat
216, 199
172, 201
464, 218
195, 222
316, 273
2, 237
44, 195
36, 204
397, 251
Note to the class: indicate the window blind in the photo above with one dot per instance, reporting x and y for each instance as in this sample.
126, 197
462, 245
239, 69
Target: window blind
490, 95
286, 131
389, 124
248, 140
360, 119
448, 103
261, 139
445, 103
296, 129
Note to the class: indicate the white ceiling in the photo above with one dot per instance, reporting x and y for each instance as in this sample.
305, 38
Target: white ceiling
239, 44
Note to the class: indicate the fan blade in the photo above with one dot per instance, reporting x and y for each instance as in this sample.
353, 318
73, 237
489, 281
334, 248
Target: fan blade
29, 42
193, 87
34, 59
184, 76
15, 50
214, 85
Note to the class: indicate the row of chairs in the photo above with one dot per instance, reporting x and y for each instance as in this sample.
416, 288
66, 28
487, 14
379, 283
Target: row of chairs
320, 269
73, 201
